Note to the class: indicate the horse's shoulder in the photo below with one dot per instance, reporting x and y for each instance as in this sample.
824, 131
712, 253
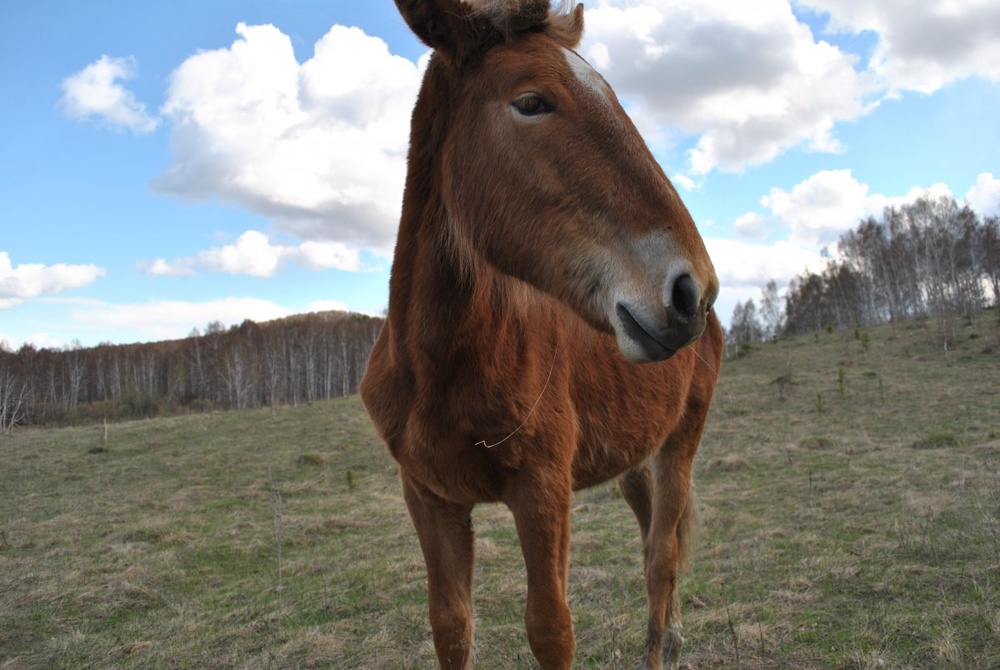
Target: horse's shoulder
387, 387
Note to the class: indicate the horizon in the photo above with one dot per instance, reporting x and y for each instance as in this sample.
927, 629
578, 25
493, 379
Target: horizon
173, 165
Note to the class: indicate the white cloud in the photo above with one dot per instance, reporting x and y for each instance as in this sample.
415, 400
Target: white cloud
923, 46
162, 267
95, 92
820, 209
984, 196
30, 280
742, 263
328, 256
172, 319
317, 147
40, 340
747, 79
745, 267
812, 215
750, 225
253, 254
685, 182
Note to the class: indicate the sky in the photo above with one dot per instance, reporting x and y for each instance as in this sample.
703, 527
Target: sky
165, 165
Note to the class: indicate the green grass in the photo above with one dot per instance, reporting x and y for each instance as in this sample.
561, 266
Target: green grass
850, 518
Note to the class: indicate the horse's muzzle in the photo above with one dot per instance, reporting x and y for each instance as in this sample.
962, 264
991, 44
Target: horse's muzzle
643, 339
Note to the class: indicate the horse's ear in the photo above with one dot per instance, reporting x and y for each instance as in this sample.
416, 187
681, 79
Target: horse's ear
451, 27
426, 20
568, 28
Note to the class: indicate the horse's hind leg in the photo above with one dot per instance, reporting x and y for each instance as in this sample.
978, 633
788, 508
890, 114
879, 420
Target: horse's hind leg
636, 487
447, 541
659, 495
673, 520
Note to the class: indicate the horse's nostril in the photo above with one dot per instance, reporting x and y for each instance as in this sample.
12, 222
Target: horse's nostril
684, 297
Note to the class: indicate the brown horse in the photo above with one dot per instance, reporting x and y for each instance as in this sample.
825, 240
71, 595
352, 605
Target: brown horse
546, 287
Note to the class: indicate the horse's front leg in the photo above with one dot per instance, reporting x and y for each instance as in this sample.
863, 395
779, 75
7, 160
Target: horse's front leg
541, 505
672, 508
447, 541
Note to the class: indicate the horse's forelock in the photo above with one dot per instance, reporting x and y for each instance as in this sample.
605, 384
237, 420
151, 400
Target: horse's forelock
512, 17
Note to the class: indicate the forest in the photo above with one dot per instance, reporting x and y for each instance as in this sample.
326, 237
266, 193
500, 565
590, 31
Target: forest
289, 361
928, 258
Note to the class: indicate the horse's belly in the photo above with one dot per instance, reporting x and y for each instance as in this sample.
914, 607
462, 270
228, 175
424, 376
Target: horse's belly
599, 460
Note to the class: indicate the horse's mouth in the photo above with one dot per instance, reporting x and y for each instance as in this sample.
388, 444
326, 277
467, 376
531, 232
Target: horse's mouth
651, 348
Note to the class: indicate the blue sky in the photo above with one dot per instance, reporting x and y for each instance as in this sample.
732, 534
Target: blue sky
168, 164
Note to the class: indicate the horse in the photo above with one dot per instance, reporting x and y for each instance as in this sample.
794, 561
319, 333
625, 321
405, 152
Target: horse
550, 323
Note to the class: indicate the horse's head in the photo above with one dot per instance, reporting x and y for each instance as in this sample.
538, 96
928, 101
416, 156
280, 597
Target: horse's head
542, 175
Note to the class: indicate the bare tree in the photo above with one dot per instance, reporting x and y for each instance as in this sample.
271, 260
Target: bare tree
928, 257
13, 395
772, 311
744, 327
988, 245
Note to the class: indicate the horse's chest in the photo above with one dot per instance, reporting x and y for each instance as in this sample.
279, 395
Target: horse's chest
465, 443
461, 447
451, 463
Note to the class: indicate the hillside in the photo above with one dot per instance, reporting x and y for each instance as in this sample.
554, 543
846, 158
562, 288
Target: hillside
851, 490
849, 487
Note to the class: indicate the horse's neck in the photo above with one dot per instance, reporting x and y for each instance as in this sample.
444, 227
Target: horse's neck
442, 299
449, 306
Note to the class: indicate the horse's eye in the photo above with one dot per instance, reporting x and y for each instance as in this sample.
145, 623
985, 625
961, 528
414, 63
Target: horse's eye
531, 104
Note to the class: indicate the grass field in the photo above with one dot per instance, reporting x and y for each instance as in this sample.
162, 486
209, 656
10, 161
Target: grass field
850, 518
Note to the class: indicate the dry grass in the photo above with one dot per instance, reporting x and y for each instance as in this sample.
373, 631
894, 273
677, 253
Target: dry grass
850, 521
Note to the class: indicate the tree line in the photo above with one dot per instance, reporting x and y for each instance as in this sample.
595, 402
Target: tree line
931, 257
294, 360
